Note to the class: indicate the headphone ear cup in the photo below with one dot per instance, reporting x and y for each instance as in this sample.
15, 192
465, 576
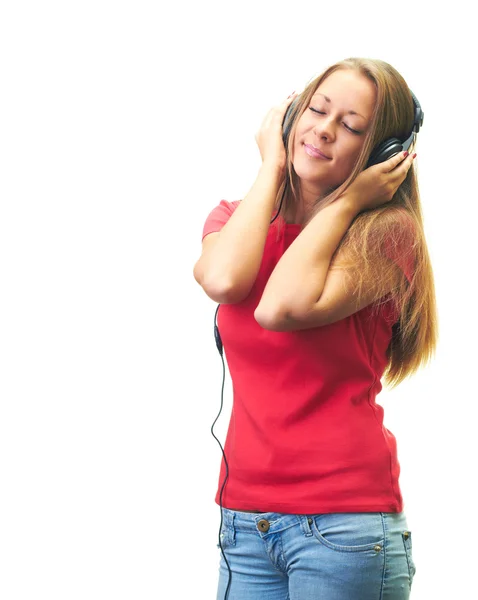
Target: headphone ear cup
288, 119
384, 151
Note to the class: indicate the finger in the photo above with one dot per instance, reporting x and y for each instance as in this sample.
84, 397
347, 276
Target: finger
276, 113
404, 166
283, 106
399, 174
396, 160
269, 118
280, 109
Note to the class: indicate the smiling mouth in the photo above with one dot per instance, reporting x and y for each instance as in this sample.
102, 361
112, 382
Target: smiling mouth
314, 152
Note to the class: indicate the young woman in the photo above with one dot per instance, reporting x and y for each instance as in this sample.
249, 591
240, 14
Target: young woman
326, 287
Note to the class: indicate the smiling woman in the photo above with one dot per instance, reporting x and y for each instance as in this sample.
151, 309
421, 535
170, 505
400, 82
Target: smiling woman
346, 113
320, 305
335, 129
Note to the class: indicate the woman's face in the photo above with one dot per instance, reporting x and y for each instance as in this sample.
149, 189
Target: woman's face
346, 101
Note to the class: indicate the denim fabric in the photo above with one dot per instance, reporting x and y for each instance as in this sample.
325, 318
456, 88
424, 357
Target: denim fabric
336, 556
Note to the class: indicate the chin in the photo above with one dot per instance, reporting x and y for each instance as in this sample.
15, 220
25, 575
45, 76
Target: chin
307, 170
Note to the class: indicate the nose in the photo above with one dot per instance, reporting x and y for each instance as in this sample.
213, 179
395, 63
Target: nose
324, 129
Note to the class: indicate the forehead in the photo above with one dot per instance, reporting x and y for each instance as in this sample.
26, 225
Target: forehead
348, 90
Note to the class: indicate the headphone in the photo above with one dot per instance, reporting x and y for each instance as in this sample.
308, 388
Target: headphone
380, 153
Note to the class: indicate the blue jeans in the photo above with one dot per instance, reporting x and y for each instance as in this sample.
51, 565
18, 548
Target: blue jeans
337, 556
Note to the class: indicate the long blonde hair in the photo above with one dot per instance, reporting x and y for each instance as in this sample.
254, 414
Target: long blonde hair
398, 222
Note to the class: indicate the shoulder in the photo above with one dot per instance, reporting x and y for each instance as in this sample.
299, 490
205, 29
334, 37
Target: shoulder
229, 205
218, 216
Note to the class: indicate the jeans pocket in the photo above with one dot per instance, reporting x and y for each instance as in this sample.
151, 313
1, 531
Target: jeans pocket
349, 532
407, 542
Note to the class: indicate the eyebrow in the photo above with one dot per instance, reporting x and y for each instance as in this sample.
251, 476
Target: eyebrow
350, 112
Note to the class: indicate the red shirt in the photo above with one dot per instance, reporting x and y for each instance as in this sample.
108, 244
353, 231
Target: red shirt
305, 434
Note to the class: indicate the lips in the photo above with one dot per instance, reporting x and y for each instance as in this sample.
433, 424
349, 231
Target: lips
316, 152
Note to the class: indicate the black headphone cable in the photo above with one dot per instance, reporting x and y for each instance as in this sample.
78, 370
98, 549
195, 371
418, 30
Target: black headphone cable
219, 346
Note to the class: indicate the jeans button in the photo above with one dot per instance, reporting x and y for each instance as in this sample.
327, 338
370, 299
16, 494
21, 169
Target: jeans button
309, 520
264, 525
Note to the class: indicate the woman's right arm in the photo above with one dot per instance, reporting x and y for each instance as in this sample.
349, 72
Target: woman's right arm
228, 267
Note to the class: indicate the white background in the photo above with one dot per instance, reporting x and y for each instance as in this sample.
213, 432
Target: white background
123, 125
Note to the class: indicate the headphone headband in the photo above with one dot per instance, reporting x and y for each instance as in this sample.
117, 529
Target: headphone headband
418, 120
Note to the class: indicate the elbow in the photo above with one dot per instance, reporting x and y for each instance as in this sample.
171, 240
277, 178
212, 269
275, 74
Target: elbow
220, 292
220, 289
269, 319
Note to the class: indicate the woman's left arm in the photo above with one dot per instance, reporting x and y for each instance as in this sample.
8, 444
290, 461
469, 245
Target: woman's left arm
301, 292
298, 279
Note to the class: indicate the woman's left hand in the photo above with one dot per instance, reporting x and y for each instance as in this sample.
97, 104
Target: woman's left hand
377, 184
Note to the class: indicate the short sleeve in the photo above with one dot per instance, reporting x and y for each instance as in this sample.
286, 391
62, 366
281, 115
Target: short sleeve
400, 246
219, 216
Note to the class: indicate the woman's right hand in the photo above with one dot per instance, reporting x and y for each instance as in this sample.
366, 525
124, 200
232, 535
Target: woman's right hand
269, 136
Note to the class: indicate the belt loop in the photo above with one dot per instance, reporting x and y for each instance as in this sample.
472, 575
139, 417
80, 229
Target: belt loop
232, 530
305, 523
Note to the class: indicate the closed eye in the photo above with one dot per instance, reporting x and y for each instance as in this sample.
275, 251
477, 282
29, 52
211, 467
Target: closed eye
345, 125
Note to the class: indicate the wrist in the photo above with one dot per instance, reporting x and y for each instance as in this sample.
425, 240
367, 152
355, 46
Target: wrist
272, 169
348, 204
